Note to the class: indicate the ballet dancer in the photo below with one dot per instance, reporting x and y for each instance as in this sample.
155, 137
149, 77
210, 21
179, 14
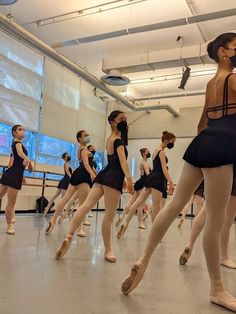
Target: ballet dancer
63, 184
138, 186
205, 158
108, 183
80, 181
155, 183
12, 179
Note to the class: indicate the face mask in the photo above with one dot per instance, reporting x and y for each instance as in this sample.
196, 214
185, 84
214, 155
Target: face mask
233, 61
86, 140
170, 145
122, 126
93, 152
148, 155
68, 158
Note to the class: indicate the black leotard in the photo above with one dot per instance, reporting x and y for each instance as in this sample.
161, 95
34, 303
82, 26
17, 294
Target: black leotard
13, 176
216, 145
156, 179
81, 175
139, 184
63, 184
112, 175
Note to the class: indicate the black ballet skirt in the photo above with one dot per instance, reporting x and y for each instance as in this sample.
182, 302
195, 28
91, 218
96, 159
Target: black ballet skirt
139, 184
13, 176
157, 179
112, 175
81, 175
64, 183
216, 145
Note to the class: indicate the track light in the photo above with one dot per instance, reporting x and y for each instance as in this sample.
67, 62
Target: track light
185, 77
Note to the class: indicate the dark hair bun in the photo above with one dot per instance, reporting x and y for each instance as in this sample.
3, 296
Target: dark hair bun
220, 41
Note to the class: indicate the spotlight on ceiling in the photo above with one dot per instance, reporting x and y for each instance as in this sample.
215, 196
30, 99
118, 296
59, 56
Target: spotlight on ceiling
7, 2
185, 77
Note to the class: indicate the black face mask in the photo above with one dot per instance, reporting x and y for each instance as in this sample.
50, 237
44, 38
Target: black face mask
123, 128
68, 158
170, 145
148, 155
233, 61
93, 152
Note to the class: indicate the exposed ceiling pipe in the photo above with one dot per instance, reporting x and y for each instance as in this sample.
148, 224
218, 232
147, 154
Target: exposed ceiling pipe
169, 96
168, 108
26, 37
150, 27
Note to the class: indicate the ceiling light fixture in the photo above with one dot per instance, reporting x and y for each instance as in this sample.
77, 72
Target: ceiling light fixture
112, 5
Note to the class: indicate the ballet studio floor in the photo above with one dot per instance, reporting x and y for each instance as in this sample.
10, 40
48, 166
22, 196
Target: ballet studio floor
32, 281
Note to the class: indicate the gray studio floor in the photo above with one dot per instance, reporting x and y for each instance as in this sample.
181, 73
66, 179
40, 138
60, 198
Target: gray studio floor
33, 282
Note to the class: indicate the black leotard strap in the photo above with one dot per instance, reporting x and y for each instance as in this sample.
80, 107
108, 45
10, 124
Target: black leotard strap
226, 95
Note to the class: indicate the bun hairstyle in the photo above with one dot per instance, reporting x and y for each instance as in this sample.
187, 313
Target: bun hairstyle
143, 151
79, 134
14, 128
113, 115
167, 136
64, 155
220, 41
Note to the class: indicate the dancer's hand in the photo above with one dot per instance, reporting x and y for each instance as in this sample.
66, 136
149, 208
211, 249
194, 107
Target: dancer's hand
24, 181
30, 166
124, 185
26, 162
93, 176
129, 186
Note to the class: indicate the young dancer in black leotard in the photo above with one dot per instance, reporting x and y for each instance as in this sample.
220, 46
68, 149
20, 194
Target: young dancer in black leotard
205, 158
92, 149
80, 181
138, 186
11, 180
155, 183
108, 183
63, 184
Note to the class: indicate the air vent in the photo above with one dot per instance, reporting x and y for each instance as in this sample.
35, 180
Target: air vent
115, 78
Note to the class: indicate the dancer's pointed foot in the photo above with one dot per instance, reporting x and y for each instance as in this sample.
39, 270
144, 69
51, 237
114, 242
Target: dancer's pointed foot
132, 281
181, 221
184, 257
110, 256
118, 222
63, 248
81, 233
122, 230
228, 263
62, 218
142, 226
50, 226
225, 300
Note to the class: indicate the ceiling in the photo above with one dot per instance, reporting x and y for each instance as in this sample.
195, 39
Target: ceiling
131, 52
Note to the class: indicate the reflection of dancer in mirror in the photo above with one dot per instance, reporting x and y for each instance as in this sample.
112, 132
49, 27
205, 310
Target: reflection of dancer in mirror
12, 179
108, 183
205, 158
138, 186
80, 181
63, 184
155, 183
198, 225
197, 200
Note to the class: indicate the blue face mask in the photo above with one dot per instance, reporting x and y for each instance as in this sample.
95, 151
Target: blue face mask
86, 139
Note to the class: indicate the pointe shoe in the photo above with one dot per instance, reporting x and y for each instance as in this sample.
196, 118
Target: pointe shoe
118, 222
225, 300
62, 218
228, 263
122, 230
181, 221
110, 256
86, 223
142, 226
90, 215
50, 227
81, 233
184, 257
132, 281
63, 248
13, 221
10, 229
